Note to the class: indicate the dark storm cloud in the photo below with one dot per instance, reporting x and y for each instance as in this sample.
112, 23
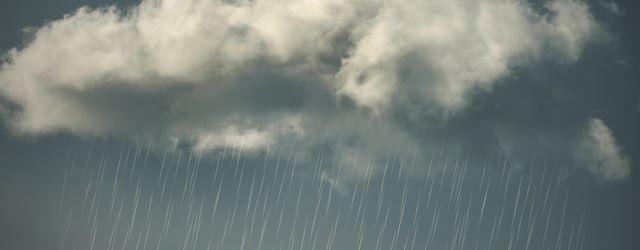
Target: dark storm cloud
364, 76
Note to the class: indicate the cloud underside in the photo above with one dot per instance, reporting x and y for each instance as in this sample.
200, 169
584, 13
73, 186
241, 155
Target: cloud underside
245, 74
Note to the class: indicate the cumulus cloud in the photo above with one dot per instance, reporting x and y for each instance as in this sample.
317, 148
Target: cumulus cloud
438, 53
244, 73
599, 152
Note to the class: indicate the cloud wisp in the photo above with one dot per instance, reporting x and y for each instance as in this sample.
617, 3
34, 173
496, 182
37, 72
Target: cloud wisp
600, 153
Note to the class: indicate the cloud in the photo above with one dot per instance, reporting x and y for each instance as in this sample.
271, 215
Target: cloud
439, 53
599, 152
246, 73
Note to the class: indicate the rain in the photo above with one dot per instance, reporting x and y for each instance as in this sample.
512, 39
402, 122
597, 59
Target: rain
228, 199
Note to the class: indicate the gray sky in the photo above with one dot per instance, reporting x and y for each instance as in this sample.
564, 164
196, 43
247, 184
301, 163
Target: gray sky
330, 124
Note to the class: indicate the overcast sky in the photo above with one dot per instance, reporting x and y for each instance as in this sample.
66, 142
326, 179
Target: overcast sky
319, 124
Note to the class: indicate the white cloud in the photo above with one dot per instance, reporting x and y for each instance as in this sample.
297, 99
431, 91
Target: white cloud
235, 73
248, 139
440, 52
600, 153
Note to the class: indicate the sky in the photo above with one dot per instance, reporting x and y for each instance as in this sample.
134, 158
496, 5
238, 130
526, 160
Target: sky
301, 124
